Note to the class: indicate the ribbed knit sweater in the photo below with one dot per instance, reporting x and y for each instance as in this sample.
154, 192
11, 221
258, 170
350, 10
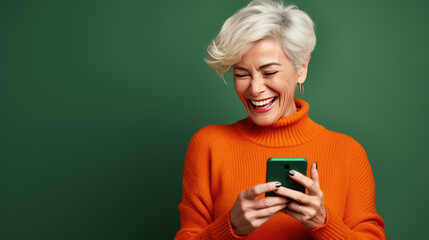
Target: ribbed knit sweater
223, 160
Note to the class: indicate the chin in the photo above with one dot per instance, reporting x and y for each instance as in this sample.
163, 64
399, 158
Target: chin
264, 121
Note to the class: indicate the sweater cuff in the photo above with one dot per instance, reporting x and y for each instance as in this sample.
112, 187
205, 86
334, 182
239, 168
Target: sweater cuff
334, 227
222, 229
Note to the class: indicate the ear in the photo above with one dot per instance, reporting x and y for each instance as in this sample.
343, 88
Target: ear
302, 73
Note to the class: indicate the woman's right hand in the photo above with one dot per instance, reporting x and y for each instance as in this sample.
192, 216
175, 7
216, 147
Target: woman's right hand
249, 213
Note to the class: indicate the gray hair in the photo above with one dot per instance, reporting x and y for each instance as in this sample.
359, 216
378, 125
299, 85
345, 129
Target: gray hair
259, 20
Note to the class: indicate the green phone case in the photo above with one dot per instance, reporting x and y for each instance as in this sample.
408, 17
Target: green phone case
278, 170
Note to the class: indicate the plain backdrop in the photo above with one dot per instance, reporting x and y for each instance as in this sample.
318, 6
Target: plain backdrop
98, 101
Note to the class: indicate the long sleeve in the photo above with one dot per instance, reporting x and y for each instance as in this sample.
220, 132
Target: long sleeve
223, 160
196, 208
361, 220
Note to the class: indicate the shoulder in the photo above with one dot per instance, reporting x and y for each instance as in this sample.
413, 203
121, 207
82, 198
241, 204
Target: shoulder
346, 151
213, 130
214, 133
342, 141
206, 140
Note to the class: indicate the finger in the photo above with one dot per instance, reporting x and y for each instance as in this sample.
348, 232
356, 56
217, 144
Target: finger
314, 174
294, 195
292, 213
267, 212
259, 189
297, 207
300, 178
267, 202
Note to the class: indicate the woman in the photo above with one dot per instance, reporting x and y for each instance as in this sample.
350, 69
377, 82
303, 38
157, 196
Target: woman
268, 47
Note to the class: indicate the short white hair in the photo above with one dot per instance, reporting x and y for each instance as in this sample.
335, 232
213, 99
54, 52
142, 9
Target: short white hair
259, 20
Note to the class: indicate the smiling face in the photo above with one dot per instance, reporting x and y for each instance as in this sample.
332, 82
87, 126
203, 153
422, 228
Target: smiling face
265, 81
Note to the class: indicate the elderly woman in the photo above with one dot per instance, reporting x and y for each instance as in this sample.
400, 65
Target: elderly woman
268, 47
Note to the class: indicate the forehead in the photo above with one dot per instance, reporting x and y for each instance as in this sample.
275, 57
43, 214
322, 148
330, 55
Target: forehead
262, 52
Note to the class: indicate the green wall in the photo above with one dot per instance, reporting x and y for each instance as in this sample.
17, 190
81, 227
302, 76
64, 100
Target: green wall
98, 100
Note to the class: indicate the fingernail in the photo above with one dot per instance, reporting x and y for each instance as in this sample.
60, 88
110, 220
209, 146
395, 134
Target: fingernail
316, 165
291, 172
278, 184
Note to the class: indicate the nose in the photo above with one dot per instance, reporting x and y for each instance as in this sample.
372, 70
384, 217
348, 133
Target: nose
257, 86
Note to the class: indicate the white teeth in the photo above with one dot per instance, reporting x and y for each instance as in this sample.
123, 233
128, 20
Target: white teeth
261, 103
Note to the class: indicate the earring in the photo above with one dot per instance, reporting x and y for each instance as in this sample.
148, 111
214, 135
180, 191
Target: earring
301, 88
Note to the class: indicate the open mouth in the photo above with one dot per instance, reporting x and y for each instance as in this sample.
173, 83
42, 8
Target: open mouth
263, 105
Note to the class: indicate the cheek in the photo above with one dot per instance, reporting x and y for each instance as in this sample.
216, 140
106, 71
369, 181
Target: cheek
287, 87
282, 87
240, 88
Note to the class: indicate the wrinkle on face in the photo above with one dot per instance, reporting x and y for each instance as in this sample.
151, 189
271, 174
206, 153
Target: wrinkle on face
253, 81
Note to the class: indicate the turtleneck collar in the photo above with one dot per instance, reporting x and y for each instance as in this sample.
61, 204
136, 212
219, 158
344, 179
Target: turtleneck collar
291, 130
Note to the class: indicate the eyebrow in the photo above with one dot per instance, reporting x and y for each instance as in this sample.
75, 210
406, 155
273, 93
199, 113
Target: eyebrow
260, 67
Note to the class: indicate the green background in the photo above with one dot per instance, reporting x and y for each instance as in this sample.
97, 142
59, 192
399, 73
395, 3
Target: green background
98, 101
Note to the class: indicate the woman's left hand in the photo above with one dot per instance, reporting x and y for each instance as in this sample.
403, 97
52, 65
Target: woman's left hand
308, 208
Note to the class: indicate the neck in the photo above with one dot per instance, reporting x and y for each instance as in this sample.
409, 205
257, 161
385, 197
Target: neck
294, 129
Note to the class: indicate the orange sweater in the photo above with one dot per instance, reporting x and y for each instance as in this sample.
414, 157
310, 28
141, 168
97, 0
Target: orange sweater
223, 160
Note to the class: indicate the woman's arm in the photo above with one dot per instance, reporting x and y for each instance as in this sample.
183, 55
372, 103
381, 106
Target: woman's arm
360, 221
196, 208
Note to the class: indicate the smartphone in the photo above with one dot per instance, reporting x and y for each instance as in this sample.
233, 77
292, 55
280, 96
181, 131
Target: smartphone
278, 170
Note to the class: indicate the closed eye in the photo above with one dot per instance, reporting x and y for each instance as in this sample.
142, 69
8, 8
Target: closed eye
270, 73
241, 75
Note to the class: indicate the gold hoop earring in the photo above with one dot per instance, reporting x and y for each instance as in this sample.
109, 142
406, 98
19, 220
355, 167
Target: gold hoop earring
301, 88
